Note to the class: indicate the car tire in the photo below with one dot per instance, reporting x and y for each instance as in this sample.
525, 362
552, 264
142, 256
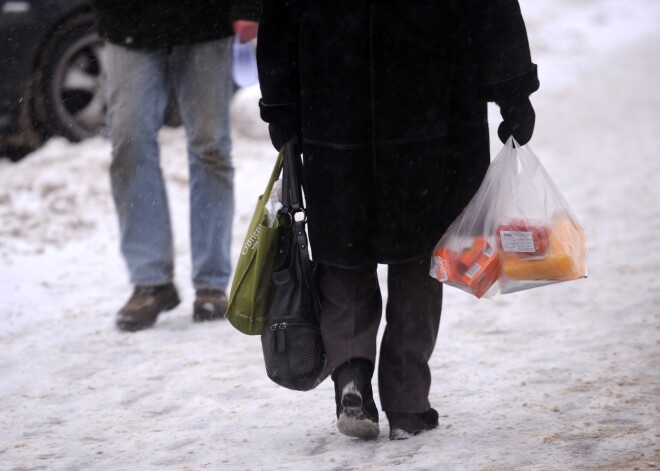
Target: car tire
69, 87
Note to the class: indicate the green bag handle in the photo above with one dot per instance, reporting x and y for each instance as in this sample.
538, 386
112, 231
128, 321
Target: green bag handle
275, 174
263, 199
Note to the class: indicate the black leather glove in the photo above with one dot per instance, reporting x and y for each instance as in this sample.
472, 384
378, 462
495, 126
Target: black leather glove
281, 133
518, 120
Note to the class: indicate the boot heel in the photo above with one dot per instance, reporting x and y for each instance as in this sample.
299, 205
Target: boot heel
351, 401
352, 420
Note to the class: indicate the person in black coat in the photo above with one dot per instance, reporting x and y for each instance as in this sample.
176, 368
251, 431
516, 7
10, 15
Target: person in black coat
154, 46
389, 101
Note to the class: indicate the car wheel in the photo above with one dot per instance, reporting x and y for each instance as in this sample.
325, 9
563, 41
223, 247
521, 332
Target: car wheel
69, 90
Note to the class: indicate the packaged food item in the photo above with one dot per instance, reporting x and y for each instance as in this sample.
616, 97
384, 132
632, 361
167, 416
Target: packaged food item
445, 264
481, 267
475, 269
565, 258
522, 238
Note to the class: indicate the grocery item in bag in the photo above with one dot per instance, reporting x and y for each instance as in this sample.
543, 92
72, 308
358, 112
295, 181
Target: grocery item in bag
474, 269
522, 239
564, 260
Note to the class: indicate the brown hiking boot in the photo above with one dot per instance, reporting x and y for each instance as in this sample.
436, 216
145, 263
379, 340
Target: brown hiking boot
144, 305
210, 304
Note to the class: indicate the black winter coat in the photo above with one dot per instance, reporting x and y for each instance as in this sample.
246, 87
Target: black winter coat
155, 24
391, 100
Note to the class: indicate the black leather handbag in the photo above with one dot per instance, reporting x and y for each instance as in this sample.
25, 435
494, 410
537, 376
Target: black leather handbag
292, 345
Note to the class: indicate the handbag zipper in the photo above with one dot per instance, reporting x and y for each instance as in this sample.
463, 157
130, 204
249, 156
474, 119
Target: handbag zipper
280, 334
284, 325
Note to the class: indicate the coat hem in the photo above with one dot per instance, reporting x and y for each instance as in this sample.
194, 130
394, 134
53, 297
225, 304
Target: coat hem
150, 44
379, 262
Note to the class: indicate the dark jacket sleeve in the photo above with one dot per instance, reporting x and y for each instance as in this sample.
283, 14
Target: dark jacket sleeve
109, 13
249, 10
277, 59
502, 51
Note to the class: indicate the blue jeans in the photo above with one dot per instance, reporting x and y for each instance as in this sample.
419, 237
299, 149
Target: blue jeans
137, 84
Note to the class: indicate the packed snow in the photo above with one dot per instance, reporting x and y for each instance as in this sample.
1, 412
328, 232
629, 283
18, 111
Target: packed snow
564, 377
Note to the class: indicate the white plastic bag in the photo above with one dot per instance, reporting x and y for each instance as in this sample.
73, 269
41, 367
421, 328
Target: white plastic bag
274, 203
516, 233
244, 63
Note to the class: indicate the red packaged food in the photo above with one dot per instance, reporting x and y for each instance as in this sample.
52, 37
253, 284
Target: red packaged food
522, 238
475, 269
479, 267
445, 264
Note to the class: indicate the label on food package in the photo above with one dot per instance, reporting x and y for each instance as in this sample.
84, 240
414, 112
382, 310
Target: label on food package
442, 271
517, 241
474, 269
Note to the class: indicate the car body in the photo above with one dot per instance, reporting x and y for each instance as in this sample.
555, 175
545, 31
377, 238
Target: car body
52, 80
41, 43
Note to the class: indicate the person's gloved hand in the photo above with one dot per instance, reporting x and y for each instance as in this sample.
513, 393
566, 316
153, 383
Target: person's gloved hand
281, 133
518, 120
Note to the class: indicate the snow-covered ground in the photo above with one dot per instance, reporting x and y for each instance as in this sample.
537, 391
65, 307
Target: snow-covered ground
565, 377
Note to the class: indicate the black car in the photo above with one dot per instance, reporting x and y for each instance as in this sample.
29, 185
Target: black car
51, 73
51, 63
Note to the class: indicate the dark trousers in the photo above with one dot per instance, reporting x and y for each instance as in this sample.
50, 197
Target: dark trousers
352, 308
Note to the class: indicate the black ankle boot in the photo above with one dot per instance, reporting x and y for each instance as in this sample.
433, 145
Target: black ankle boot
403, 425
357, 414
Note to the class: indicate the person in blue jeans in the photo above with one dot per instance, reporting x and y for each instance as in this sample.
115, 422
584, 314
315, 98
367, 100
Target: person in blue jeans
153, 46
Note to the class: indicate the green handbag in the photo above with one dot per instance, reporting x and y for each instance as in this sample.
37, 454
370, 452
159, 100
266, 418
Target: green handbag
251, 290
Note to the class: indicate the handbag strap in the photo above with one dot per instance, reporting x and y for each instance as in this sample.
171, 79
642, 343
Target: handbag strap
292, 200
